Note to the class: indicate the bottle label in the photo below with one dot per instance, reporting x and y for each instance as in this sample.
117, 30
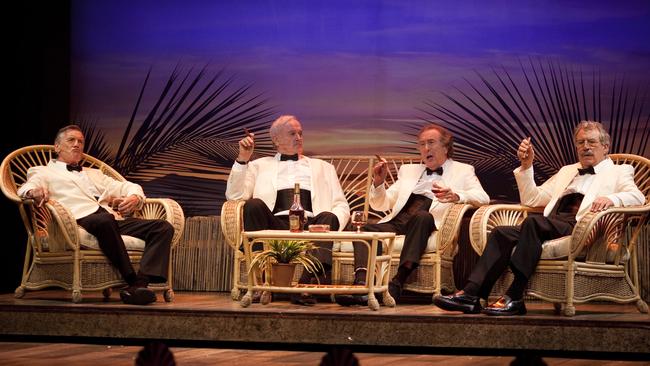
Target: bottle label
294, 223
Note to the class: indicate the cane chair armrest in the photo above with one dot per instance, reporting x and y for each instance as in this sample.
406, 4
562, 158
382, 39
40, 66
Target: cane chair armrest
448, 233
59, 225
30, 213
26, 207
600, 232
231, 222
11, 194
488, 217
165, 209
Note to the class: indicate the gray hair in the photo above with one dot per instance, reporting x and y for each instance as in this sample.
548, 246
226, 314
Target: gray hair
277, 125
63, 130
593, 125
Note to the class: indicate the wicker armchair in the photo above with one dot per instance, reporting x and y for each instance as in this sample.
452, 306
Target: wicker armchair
597, 262
60, 253
355, 175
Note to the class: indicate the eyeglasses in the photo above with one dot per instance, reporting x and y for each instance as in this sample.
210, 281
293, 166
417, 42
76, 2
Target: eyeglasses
427, 143
589, 142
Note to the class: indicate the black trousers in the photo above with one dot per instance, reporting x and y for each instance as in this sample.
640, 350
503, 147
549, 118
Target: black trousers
414, 221
257, 216
527, 242
157, 235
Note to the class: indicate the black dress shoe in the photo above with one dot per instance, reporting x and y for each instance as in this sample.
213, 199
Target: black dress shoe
349, 300
395, 289
506, 306
303, 299
137, 296
460, 301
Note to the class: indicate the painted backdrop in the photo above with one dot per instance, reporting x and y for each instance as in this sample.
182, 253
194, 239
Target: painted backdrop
163, 88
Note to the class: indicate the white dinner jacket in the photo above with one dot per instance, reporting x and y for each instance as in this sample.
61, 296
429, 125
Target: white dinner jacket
258, 179
67, 189
613, 181
459, 177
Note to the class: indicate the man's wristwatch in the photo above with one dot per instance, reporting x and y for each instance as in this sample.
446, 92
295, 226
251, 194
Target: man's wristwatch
241, 162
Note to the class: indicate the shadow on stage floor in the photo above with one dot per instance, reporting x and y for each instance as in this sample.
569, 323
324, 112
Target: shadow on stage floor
213, 320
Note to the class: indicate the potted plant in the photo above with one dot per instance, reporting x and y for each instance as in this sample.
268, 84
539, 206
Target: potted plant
282, 256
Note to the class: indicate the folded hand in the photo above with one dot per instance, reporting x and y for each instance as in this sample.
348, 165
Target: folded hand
128, 205
601, 204
40, 195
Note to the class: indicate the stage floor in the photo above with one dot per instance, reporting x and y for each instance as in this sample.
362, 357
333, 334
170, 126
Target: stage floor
213, 320
71, 354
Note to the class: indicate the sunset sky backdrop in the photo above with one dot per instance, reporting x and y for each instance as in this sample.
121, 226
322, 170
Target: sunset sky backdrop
354, 72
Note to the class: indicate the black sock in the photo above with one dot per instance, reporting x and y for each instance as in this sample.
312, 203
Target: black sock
518, 286
131, 278
404, 271
306, 276
360, 275
326, 275
141, 280
471, 288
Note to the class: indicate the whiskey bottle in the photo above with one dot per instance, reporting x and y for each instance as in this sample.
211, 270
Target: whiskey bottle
296, 212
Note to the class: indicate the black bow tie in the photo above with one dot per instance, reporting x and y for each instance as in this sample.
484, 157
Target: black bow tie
71, 167
584, 171
289, 157
431, 171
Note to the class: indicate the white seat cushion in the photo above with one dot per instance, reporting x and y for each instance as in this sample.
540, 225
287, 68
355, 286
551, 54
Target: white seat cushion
346, 246
89, 241
559, 249
556, 248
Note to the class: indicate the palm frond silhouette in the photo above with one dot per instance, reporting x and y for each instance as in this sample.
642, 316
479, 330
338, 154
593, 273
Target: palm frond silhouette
95, 143
186, 143
545, 102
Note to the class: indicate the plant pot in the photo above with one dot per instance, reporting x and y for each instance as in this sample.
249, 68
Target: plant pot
282, 274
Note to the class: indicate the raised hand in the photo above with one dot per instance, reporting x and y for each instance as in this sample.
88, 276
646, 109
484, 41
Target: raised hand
526, 153
380, 171
246, 146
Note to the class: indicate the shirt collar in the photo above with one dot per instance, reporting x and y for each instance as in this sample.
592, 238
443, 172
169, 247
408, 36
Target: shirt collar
60, 165
277, 156
604, 164
446, 165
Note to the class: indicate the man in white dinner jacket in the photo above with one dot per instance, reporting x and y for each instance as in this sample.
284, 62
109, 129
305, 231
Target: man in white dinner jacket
594, 184
88, 194
419, 200
267, 186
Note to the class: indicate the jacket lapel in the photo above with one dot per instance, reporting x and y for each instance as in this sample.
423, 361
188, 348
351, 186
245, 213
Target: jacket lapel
314, 183
273, 173
408, 184
596, 186
564, 179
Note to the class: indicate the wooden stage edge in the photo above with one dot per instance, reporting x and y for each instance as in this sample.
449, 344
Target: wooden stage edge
210, 319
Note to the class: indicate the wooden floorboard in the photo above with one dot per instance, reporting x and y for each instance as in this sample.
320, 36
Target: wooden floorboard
202, 327
57, 354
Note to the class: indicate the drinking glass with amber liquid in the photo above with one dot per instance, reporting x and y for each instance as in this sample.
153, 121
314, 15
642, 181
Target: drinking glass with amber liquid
359, 219
438, 186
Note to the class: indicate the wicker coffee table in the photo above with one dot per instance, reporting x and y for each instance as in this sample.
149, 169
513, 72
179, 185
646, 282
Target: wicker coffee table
376, 280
